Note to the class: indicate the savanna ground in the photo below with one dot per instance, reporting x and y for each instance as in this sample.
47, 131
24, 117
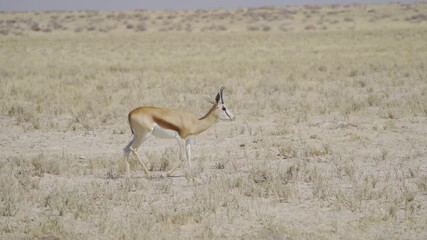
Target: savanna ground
329, 141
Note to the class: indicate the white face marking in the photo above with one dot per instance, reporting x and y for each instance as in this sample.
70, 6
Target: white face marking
163, 133
225, 113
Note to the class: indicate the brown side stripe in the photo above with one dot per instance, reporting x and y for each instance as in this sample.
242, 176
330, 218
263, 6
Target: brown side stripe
165, 124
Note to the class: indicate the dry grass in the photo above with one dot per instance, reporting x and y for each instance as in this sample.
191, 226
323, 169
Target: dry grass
329, 141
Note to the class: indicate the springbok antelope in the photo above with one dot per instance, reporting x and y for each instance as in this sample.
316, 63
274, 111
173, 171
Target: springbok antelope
166, 123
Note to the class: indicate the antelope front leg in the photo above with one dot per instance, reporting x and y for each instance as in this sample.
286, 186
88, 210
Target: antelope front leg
188, 153
179, 140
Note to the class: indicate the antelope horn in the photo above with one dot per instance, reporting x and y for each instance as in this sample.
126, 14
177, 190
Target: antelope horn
219, 96
220, 91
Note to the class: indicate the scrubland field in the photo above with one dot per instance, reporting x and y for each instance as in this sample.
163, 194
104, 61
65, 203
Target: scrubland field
329, 142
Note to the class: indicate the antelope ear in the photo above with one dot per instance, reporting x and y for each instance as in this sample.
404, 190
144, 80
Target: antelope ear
209, 99
217, 98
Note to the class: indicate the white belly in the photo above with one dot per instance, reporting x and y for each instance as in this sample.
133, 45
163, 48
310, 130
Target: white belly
163, 133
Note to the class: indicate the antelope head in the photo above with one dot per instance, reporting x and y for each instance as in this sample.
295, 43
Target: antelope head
224, 111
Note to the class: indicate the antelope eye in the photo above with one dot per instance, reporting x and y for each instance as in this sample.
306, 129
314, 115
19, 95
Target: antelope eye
223, 108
